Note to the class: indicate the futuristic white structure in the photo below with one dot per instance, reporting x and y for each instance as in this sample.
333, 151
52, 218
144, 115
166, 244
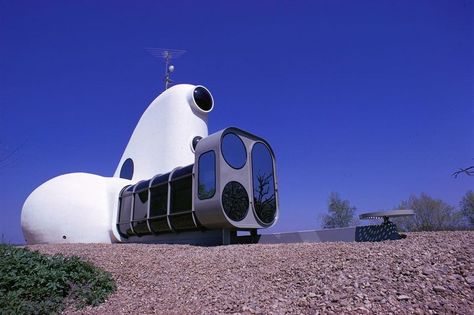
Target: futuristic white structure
173, 182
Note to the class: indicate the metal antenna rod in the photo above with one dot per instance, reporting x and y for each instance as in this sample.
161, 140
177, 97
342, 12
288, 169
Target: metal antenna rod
167, 55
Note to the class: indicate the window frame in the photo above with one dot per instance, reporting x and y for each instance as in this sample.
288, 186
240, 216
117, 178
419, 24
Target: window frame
214, 171
243, 146
275, 190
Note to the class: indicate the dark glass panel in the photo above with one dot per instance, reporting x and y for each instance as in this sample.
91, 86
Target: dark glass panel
142, 185
207, 175
233, 150
263, 184
127, 169
125, 229
141, 228
159, 225
203, 98
158, 200
181, 195
182, 222
235, 201
187, 170
160, 179
125, 208
141, 205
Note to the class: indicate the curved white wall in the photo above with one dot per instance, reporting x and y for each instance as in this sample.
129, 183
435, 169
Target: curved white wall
82, 208
162, 138
76, 206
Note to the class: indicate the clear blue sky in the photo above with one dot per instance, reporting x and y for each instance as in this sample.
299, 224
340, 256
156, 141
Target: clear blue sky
371, 99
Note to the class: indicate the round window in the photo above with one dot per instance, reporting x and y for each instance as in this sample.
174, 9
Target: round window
233, 150
235, 201
203, 98
195, 142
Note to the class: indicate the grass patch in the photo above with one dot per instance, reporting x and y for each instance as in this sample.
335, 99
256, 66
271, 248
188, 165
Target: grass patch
38, 284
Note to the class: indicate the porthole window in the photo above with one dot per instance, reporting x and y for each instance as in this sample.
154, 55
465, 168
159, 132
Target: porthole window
233, 150
195, 142
235, 201
203, 98
264, 198
127, 169
207, 175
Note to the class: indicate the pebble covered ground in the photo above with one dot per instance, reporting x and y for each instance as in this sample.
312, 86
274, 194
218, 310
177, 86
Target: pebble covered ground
426, 273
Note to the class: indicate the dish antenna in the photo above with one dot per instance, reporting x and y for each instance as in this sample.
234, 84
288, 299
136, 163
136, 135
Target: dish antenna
167, 55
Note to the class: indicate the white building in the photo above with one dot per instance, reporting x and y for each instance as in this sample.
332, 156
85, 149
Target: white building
173, 182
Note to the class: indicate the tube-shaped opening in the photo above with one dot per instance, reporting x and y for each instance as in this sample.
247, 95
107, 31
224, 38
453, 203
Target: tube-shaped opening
203, 99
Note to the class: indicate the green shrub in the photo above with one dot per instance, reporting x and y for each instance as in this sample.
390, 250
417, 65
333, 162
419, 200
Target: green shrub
33, 283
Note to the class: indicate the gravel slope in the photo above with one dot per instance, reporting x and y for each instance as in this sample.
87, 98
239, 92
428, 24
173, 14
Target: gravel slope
425, 273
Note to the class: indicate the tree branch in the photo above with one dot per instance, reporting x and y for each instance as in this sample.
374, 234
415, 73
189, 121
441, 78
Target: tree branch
469, 171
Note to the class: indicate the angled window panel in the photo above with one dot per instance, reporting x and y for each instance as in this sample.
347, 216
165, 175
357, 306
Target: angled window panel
159, 205
125, 212
181, 200
140, 208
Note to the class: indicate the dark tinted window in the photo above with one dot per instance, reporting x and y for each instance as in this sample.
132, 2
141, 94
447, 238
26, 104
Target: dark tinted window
159, 204
125, 208
181, 201
141, 228
143, 185
159, 225
141, 205
203, 98
187, 170
125, 212
125, 230
233, 150
181, 195
127, 169
207, 175
158, 200
263, 183
182, 222
235, 201
160, 179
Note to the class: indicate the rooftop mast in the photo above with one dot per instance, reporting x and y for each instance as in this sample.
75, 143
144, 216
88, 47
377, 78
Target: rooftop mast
167, 55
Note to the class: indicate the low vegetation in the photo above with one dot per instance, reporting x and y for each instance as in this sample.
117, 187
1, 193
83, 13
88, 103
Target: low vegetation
33, 283
430, 214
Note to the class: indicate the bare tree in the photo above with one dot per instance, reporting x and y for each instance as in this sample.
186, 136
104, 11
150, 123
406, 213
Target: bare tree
264, 197
469, 171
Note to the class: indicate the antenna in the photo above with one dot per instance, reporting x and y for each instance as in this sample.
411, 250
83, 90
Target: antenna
167, 55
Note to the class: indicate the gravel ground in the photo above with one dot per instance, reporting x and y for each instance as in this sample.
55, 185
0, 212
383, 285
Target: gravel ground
426, 273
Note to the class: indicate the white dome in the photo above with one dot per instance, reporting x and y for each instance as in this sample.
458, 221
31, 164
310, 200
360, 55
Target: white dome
72, 208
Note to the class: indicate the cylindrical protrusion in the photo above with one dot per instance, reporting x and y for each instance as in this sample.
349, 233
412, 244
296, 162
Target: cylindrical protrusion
202, 99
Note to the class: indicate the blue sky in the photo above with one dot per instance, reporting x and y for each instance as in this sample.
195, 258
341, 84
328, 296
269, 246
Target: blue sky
371, 99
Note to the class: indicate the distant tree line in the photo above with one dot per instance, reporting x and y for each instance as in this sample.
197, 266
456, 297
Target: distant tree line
430, 214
